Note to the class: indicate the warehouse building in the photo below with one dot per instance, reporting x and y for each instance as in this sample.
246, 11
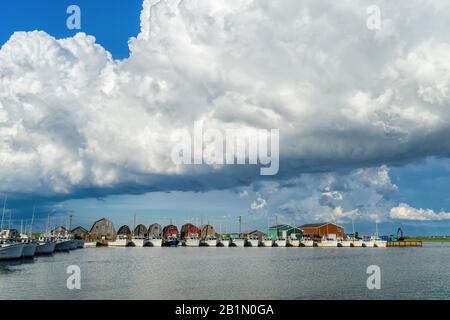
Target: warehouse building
155, 230
80, 233
208, 231
103, 229
124, 231
255, 234
283, 231
140, 231
189, 230
320, 230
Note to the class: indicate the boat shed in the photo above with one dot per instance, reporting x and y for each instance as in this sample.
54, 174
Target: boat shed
155, 230
170, 231
59, 231
189, 230
283, 231
140, 231
103, 229
80, 233
124, 231
326, 229
255, 234
208, 231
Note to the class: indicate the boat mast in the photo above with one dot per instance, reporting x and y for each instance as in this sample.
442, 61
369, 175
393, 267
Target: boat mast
32, 221
3, 214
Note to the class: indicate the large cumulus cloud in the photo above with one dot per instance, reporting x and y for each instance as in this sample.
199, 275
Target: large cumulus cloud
74, 119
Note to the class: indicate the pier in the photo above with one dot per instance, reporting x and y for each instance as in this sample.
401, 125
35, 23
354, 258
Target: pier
404, 244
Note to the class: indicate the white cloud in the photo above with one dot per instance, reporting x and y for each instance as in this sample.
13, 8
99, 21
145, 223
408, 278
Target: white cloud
72, 118
406, 212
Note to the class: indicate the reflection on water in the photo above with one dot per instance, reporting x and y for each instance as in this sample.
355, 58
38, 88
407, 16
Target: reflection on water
232, 273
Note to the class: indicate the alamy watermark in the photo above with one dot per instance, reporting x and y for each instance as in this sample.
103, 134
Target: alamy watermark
373, 22
374, 279
74, 280
232, 147
73, 22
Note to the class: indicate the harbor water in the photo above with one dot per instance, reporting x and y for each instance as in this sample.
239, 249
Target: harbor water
232, 273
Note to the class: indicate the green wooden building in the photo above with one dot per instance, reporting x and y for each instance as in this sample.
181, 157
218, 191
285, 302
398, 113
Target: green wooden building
283, 231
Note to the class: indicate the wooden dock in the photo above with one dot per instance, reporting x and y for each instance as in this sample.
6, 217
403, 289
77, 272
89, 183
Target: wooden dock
404, 243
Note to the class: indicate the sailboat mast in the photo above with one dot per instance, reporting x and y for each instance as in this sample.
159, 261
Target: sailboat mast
3, 213
32, 221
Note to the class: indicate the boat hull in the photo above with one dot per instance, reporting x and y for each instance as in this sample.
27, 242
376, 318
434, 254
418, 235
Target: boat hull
223, 243
80, 244
238, 243
11, 252
380, 243
252, 243
357, 244
307, 243
155, 243
29, 250
191, 243
45, 248
368, 244
267, 243
171, 243
63, 246
119, 243
90, 244
280, 243
345, 244
327, 244
293, 243
140, 243
209, 243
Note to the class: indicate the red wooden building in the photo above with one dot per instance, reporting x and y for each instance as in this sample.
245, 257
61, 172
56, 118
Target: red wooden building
189, 230
319, 230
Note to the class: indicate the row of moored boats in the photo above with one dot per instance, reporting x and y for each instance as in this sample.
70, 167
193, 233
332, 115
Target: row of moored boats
26, 248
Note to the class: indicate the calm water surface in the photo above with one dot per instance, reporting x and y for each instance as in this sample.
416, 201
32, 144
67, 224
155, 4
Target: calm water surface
232, 273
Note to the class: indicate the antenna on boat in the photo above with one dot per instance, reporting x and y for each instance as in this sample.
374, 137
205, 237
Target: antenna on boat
10, 215
3, 214
240, 224
353, 225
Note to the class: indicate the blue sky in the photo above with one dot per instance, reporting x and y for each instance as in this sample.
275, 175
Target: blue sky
182, 72
112, 22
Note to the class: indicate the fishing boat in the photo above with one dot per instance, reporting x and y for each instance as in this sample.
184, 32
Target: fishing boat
121, 241
368, 243
192, 241
266, 243
29, 250
45, 247
208, 242
280, 243
154, 242
380, 243
80, 243
138, 242
238, 242
251, 242
327, 243
171, 242
11, 251
222, 242
343, 243
92, 244
292, 241
356, 243
308, 243
64, 244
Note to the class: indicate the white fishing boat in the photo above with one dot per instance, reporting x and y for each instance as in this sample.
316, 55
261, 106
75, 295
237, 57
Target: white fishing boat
29, 250
292, 241
266, 243
92, 244
121, 241
368, 243
155, 242
308, 243
80, 243
223, 242
11, 251
63, 244
280, 243
45, 247
379, 243
344, 243
191, 242
357, 243
251, 242
238, 242
138, 242
209, 242
327, 243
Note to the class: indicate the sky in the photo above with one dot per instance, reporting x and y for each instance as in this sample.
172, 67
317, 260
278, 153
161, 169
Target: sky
88, 117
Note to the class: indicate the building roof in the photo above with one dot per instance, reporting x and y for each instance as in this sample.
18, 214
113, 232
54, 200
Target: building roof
79, 228
279, 226
317, 225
